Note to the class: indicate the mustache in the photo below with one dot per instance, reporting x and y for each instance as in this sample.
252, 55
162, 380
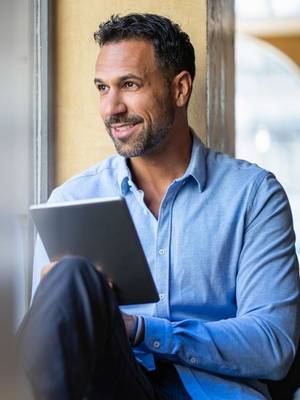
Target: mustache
122, 119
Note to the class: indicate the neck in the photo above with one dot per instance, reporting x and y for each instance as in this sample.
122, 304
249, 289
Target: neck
155, 172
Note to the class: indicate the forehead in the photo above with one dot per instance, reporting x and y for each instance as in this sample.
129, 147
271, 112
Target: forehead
125, 57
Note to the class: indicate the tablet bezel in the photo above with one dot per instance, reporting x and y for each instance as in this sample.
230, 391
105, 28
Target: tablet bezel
101, 230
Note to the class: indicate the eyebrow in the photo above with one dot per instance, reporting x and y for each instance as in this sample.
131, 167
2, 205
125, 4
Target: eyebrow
120, 79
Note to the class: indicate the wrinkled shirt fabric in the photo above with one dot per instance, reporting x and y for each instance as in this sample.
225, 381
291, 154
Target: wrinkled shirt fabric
222, 255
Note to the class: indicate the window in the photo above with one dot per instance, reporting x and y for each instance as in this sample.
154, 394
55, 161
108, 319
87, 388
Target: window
268, 115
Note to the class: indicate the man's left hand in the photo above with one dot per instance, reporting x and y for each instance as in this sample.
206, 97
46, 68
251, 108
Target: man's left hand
130, 322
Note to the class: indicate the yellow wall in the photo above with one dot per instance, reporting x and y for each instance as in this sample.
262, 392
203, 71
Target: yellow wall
80, 136
290, 45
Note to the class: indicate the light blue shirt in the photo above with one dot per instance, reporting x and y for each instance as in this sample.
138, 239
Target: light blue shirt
223, 258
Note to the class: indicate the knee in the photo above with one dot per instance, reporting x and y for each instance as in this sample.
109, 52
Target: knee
74, 265
73, 273
74, 283
77, 267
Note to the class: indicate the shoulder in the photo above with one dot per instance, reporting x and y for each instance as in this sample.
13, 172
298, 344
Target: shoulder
242, 185
232, 173
96, 181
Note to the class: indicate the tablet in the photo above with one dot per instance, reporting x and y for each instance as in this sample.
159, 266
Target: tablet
102, 231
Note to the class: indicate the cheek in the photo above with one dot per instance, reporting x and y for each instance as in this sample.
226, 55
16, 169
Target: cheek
102, 106
140, 105
160, 108
151, 107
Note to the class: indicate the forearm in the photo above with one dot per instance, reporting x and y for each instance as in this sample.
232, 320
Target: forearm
260, 341
248, 347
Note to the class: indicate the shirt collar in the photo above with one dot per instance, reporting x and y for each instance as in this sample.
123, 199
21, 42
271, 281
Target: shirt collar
124, 175
197, 165
195, 169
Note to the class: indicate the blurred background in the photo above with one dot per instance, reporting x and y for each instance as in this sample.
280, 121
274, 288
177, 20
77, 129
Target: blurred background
267, 102
16, 94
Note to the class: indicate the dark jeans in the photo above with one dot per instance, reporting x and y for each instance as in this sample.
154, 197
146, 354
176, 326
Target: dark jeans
73, 344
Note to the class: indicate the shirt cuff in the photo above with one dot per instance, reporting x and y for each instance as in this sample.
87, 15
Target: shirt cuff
158, 332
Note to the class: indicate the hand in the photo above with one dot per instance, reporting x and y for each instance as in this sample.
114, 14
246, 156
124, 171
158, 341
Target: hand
129, 321
99, 268
48, 268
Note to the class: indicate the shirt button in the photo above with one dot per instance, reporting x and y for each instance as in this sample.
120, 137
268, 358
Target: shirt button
156, 344
161, 296
193, 360
162, 251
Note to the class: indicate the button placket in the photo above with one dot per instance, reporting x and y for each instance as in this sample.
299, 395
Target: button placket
162, 263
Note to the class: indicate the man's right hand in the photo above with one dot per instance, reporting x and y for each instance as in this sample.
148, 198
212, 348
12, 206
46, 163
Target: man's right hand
48, 268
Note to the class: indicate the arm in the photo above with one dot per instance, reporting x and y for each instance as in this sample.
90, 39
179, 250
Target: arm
41, 258
40, 261
260, 341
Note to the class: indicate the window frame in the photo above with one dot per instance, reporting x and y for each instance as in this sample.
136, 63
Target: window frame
43, 133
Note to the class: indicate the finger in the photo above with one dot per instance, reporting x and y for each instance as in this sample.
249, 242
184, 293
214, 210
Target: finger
110, 284
48, 268
109, 281
129, 322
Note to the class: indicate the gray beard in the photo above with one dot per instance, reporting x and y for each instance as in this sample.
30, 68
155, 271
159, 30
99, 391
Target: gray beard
149, 139
145, 144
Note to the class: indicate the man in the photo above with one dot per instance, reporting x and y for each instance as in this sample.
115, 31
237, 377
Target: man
217, 233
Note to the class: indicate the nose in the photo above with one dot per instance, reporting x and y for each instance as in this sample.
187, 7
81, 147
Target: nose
112, 104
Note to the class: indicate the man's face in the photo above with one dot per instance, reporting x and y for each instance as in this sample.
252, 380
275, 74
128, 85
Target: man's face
135, 98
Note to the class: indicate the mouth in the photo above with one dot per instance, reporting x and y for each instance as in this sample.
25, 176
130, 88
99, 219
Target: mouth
123, 130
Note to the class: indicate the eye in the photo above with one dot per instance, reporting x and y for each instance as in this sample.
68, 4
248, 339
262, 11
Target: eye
130, 85
101, 87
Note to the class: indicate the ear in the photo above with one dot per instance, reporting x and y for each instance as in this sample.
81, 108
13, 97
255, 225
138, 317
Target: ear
182, 87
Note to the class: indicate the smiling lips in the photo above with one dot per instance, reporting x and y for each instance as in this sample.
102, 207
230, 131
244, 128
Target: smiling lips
123, 131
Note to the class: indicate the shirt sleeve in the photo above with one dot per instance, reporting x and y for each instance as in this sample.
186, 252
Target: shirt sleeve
41, 259
260, 341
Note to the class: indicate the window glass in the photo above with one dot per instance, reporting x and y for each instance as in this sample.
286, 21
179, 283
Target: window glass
268, 115
261, 9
